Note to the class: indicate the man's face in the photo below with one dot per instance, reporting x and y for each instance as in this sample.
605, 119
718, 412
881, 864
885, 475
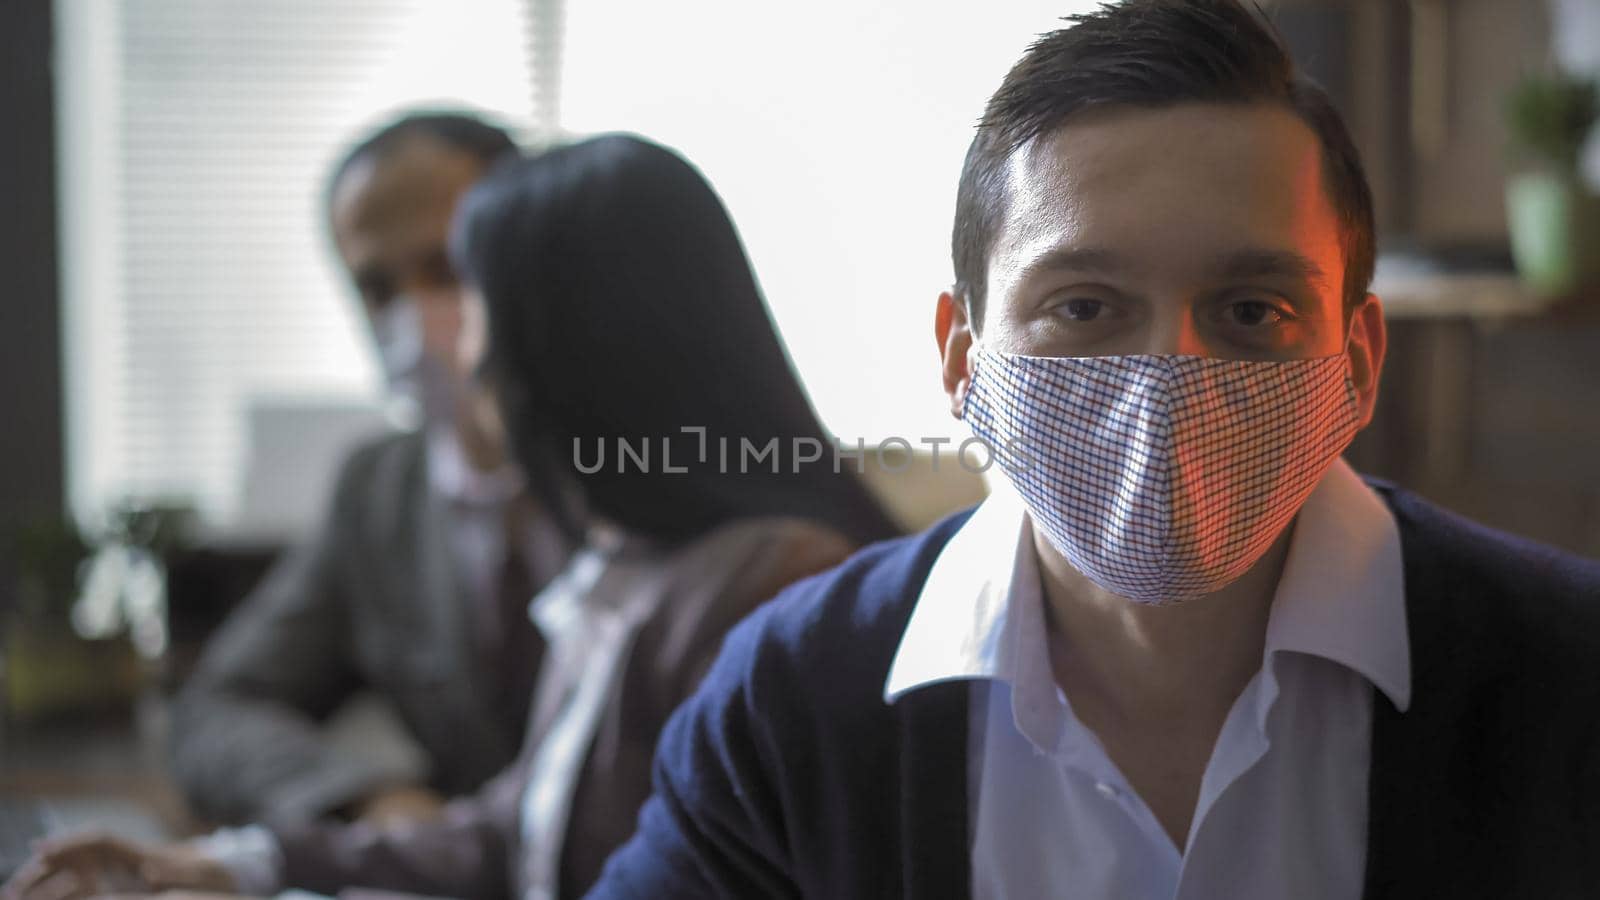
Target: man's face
391, 225
1198, 229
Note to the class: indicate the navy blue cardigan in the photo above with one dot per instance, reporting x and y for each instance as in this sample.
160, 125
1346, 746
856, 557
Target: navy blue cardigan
787, 775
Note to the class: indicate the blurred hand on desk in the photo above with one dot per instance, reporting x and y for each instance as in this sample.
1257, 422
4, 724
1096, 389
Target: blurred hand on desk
97, 865
399, 806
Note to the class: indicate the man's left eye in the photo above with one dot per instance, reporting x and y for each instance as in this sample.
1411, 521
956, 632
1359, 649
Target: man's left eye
1251, 313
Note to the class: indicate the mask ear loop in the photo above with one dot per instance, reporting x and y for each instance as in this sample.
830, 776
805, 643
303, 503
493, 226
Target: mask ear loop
1349, 362
972, 378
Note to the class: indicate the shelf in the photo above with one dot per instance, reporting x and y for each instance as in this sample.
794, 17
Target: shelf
1469, 295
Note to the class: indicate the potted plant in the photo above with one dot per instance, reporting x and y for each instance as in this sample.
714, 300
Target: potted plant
48, 668
90, 625
1553, 216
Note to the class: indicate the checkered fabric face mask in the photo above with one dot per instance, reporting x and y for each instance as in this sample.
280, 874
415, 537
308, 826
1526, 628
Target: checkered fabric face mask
1161, 478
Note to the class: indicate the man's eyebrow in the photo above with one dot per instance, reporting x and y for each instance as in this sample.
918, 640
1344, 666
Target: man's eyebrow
1088, 260
1251, 263
1272, 264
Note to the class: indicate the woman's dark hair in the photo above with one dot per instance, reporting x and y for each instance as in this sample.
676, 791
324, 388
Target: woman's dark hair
1151, 54
621, 306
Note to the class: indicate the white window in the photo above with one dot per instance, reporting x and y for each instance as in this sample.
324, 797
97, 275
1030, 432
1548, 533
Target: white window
205, 312
203, 303
834, 130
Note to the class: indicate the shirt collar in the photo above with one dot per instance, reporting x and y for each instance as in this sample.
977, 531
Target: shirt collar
452, 477
609, 557
956, 630
1341, 595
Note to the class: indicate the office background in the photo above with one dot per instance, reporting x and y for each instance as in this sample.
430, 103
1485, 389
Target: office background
176, 331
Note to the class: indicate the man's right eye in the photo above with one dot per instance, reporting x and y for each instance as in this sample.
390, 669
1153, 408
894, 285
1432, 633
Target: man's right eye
1082, 309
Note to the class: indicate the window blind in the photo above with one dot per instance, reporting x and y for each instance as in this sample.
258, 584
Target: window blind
200, 283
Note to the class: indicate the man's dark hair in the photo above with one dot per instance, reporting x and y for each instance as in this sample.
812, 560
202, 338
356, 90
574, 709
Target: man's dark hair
460, 131
1150, 54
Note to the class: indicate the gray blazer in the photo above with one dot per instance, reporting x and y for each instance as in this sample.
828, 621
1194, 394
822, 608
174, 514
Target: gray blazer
372, 603
704, 588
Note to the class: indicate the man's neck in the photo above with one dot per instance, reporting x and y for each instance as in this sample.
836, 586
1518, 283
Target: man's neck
482, 451
1185, 659
1155, 683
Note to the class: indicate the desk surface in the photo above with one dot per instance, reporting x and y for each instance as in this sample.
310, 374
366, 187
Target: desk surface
106, 772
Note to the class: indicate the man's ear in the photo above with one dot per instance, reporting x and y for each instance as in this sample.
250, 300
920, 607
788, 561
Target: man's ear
954, 333
1368, 341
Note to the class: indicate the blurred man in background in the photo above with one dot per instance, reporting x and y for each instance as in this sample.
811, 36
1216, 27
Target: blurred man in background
416, 586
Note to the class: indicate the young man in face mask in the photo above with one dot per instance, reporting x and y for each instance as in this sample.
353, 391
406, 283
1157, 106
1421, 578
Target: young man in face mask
1183, 651
417, 586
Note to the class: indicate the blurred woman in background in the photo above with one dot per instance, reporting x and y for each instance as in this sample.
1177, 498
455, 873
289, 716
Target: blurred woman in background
642, 385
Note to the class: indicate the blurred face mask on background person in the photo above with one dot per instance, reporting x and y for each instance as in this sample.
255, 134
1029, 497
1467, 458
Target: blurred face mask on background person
421, 389
391, 224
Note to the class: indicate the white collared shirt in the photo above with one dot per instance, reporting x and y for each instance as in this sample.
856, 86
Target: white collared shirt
589, 619
475, 507
476, 504
1282, 810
